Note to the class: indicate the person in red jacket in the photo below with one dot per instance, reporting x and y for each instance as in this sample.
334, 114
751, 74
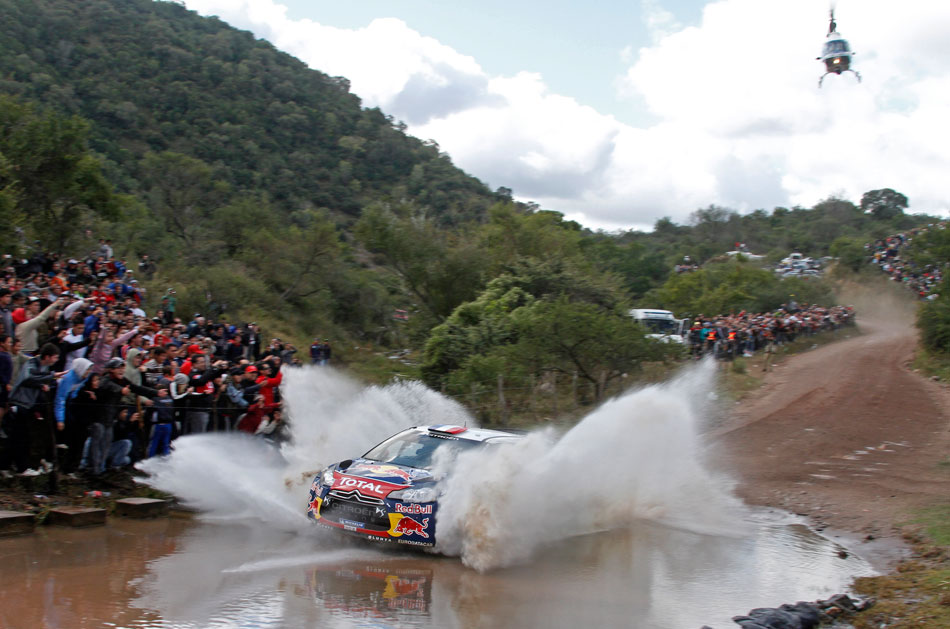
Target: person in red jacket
269, 382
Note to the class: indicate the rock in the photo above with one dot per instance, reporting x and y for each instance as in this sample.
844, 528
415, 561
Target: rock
778, 619
808, 613
866, 604
77, 516
16, 523
841, 600
802, 615
141, 507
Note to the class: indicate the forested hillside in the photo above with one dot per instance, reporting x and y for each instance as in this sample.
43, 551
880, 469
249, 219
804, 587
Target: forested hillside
265, 192
154, 77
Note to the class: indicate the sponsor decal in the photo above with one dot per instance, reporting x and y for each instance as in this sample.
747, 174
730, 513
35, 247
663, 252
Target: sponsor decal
351, 525
375, 488
314, 507
413, 542
387, 471
367, 487
412, 509
449, 428
404, 525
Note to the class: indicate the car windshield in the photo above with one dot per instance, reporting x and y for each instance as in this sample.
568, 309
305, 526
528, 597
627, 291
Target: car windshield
659, 326
415, 449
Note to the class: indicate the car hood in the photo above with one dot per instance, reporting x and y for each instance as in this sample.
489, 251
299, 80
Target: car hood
377, 479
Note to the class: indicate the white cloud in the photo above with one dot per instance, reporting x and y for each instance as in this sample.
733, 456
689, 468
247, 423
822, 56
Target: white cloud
659, 22
739, 119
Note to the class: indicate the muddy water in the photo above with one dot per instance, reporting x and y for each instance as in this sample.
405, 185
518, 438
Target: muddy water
181, 573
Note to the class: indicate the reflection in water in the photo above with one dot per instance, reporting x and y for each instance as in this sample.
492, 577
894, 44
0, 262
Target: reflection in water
173, 573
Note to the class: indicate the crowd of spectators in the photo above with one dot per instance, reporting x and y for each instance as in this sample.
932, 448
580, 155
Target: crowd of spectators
89, 381
743, 334
894, 256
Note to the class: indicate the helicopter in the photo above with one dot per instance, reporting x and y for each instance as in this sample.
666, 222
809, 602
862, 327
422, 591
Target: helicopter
836, 53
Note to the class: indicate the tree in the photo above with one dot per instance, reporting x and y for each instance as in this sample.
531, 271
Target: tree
734, 286
883, 204
440, 268
512, 234
850, 253
490, 322
49, 174
597, 344
181, 192
9, 214
295, 259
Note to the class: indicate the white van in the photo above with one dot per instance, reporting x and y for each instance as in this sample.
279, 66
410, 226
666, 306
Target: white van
660, 324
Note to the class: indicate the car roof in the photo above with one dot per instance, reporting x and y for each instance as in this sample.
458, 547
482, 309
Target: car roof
466, 433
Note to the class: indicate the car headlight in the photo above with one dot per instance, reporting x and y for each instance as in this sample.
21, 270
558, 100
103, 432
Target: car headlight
327, 477
417, 494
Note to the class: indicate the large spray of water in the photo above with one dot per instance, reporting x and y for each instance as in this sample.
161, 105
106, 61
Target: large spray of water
638, 456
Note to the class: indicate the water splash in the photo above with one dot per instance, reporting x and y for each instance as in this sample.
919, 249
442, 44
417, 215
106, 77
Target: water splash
233, 476
639, 456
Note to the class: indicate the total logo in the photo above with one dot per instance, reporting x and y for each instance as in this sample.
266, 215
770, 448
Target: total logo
413, 509
343, 481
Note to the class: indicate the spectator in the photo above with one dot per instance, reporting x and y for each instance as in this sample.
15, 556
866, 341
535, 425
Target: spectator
112, 389
28, 431
201, 383
251, 340
106, 345
164, 423
74, 344
28, 330
320, 352
6, 374
6, 320
67, 390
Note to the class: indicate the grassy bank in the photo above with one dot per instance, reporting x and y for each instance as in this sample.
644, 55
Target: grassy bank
917, 593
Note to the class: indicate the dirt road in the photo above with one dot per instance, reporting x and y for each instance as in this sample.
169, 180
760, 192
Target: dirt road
846, 434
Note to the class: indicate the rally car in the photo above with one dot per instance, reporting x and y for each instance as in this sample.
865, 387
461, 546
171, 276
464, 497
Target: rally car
390, 493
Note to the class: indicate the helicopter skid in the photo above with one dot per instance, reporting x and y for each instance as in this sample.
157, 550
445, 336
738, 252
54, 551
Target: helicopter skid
854, 72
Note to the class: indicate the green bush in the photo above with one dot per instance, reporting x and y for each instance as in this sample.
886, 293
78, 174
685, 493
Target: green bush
933, 319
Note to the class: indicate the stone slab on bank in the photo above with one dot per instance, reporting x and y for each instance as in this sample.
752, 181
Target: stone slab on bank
77, 516
178, 510
16, 523
141, 507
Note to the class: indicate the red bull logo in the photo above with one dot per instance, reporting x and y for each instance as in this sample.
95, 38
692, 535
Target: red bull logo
412, 508
314, 506
408, 526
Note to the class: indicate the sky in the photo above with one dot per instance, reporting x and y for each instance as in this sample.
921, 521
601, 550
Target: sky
619, 114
